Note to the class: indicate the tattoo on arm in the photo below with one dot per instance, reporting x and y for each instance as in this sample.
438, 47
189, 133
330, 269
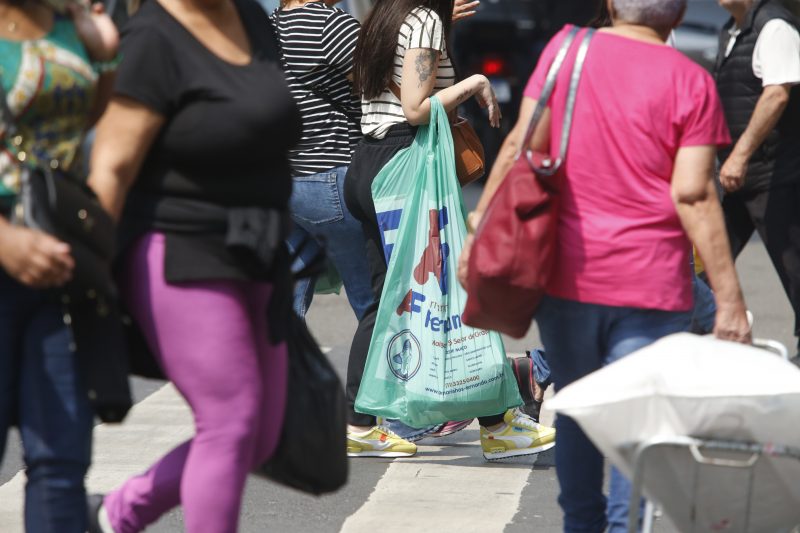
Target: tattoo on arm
424, 65
463, 97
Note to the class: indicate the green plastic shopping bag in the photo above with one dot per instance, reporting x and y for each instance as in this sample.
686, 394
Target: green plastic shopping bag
424, 365
329, 282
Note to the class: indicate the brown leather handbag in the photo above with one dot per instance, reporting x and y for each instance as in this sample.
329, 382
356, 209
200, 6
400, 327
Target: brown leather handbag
470, 158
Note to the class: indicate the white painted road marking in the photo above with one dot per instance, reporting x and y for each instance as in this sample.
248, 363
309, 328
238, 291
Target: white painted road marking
451, 486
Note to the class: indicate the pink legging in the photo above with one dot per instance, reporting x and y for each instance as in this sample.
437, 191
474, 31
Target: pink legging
211, 339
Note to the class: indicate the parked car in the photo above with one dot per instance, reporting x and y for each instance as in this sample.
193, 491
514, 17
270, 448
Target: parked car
502, 41
698, 35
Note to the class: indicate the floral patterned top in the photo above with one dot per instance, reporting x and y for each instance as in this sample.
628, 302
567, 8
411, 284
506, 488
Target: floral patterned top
49, 85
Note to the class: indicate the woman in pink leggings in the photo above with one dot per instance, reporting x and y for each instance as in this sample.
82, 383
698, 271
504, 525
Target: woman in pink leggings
191, 159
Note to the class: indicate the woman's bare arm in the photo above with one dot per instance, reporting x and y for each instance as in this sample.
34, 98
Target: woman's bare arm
124, 136
420, 66
697, 204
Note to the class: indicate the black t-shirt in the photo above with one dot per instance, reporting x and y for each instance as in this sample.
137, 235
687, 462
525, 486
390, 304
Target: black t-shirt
228, 127
224, 143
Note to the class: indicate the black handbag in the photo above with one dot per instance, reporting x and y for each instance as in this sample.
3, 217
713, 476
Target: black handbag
57, 203
311, 461
54, 202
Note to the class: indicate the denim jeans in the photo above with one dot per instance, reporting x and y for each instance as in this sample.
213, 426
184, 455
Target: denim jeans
541, 370
318, 210
407, 432
581, 338
704, 312
42, 392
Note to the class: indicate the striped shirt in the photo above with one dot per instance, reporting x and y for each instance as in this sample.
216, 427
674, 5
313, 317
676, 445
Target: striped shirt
317, 44
422, 29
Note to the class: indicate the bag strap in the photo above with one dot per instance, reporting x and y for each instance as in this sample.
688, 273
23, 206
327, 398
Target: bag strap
547, 89
550, 167
580, 59
8, 126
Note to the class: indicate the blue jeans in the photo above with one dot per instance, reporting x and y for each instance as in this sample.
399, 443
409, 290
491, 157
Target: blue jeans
318, 210
581, 338
705, 307
541, 370
42, 392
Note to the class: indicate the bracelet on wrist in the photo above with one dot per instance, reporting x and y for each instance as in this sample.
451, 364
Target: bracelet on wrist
104, 67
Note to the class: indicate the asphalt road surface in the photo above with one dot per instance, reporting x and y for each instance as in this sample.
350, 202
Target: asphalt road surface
446, 487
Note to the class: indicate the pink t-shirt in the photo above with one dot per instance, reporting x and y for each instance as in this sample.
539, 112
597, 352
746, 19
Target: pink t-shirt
620, 240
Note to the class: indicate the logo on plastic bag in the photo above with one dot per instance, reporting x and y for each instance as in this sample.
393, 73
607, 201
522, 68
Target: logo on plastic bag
404, 355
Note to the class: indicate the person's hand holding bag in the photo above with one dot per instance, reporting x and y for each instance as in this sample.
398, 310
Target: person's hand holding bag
34, 258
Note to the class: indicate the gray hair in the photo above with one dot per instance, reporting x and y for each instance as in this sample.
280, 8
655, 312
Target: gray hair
660, 14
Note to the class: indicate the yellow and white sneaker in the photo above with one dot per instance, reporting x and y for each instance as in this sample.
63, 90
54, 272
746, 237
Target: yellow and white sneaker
378, 442
520, 435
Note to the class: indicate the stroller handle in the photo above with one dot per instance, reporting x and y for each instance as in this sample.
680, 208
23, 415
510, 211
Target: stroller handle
701, 458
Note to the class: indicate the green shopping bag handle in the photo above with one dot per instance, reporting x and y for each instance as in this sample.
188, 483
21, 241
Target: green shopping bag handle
439, 122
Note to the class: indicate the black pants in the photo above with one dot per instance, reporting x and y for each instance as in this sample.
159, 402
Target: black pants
775, 215
370, 156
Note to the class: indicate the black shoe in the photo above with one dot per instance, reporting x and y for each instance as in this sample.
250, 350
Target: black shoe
93, 504
529, 389
795, 360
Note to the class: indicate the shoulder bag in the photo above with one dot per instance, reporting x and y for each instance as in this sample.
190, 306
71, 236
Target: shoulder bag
513, 254
57, 203
311, 461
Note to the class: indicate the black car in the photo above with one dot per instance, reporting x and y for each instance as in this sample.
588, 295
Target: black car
698, 35
503, 41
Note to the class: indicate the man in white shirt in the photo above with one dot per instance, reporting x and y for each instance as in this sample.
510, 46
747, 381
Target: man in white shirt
758, 77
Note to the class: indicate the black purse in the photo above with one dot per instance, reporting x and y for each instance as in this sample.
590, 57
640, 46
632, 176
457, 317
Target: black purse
58, 204
311, 461
55, 202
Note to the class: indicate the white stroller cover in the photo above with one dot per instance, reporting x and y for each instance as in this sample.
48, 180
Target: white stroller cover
687, 385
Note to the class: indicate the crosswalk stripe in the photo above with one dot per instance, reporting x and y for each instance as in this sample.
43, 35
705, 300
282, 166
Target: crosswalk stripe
152, 427
451, 486
448, 482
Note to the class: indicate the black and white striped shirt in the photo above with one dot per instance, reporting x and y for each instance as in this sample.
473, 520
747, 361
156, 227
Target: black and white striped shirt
422, 29
317, 45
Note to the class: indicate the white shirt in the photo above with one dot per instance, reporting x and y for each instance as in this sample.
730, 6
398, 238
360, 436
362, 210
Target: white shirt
422, 29
776, 57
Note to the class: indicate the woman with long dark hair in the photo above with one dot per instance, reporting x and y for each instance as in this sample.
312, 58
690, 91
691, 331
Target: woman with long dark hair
402, 58
317, 43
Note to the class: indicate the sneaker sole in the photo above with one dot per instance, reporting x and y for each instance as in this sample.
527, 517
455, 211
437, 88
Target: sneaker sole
380, 454
519, 453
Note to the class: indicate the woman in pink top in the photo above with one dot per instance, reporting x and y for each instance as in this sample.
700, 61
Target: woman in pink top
637, 188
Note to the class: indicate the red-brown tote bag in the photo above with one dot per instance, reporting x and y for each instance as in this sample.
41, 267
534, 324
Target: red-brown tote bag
513, 253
